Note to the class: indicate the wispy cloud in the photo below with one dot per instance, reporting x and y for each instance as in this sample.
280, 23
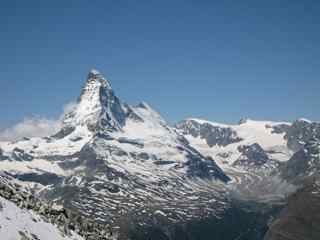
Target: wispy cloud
30, 127
35, 126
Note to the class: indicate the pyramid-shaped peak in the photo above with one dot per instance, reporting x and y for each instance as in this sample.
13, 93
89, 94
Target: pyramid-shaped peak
95, 76
93, 73
97, 107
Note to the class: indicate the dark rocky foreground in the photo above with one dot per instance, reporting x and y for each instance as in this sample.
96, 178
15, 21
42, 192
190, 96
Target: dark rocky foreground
242, 221
64, 219
300, 219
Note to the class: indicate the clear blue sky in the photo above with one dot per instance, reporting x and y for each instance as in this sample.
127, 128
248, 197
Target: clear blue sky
219, 60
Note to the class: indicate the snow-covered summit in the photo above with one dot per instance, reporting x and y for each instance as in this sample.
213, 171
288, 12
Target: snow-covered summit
95, 76
97, 107
119, 157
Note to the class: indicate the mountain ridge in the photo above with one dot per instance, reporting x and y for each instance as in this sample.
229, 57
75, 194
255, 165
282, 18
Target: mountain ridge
118, 163
119, 158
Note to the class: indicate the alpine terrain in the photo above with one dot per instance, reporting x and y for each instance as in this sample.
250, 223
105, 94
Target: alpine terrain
118, 171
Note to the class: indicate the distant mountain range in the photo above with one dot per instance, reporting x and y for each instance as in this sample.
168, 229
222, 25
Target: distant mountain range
136, 177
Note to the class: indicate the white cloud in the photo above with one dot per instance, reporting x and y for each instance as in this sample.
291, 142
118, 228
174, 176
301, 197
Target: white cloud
30, 127
35, 126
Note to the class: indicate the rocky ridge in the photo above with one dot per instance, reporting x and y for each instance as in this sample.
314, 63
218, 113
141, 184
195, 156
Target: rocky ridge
66, 220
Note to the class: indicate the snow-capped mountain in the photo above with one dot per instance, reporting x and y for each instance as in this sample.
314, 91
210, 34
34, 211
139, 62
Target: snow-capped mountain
249, 143
111, 161
252, 143
259, 156
124, 167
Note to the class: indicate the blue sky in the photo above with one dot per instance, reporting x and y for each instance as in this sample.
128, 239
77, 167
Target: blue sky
219, 60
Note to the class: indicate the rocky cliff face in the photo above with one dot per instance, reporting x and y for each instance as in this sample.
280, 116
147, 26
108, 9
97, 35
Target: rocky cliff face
300, 132
252, 155
213, 135
304, 163
300, 219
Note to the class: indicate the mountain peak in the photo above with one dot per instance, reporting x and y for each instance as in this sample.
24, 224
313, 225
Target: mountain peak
97, 107
95, 77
